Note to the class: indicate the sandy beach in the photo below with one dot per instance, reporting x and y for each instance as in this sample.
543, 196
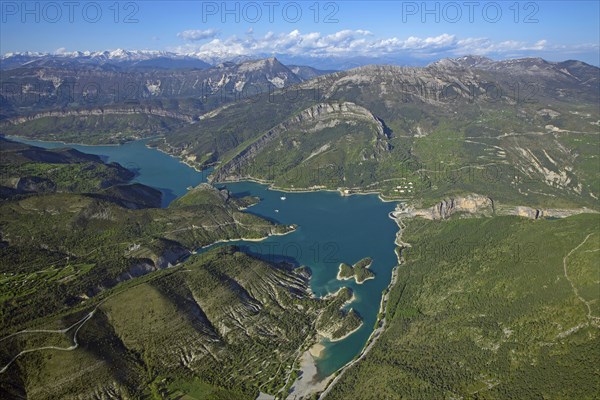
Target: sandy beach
316, 350
309, 381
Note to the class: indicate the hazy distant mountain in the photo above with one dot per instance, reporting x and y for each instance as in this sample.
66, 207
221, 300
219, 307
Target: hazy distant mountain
539, 67
307, 73
46, 84
123, 58
165, 59
171, 63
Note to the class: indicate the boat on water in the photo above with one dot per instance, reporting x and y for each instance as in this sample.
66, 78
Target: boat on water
283, 197
276, 211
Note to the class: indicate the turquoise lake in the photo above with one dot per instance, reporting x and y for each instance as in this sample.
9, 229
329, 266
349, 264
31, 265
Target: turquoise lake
331, 229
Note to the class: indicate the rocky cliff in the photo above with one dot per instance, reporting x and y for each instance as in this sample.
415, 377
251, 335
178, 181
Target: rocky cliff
478, 205
469, 204
537, 213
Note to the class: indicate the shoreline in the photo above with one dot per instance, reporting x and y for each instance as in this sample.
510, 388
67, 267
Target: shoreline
330, 380
380, 323
331, 295
179, 158
401, 226
364, 280
346, 303
362, 323
246, 239
316, 350
141, 139
309, 381
81, 144
271, 186
353, 277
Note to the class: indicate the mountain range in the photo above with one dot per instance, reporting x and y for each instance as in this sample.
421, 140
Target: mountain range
57, 83
488, 160
365, 129
122, 58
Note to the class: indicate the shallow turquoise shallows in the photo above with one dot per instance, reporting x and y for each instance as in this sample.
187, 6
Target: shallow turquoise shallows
331, 229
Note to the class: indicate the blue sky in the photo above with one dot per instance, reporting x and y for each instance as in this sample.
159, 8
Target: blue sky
554, 30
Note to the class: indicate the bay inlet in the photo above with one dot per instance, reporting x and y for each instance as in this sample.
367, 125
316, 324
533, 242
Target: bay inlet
331, 229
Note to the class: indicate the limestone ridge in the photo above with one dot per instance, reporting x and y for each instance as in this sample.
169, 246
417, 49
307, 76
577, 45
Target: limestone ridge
539, 213
471, 204
101, 112
322, 115
425, 84
479, 205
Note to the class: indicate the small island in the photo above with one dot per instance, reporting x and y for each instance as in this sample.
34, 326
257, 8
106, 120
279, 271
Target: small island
360, 271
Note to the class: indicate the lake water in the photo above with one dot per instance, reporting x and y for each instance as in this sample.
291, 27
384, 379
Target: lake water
152, 167
331, 229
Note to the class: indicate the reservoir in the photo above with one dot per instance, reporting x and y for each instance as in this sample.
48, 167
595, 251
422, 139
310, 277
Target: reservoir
331, 229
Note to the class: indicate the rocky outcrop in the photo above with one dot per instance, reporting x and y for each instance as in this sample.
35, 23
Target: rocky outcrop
317, 114
469, 204
537, 213
167, 258
528, 212
478, 205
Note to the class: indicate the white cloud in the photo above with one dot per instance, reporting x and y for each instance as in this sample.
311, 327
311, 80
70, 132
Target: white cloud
484, 46
193, 35
356, 43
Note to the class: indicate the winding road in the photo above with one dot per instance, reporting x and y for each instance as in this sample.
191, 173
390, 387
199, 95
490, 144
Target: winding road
77, 324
